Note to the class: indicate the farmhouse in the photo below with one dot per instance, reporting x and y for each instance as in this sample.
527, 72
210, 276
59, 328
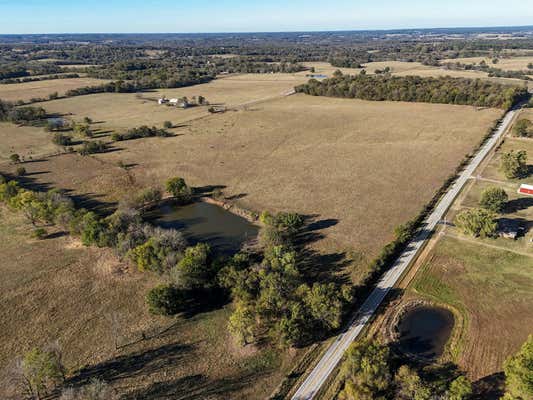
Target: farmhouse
509, 228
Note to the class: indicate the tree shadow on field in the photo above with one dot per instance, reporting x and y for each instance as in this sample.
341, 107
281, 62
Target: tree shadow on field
316, 265
89, 201
515, 205
207, 190
491, 387
193, 387
141, 363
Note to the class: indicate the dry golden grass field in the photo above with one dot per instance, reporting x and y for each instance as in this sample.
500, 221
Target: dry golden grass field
508, 64
57, 290
24, 140
362, 163
127, 110
41, 89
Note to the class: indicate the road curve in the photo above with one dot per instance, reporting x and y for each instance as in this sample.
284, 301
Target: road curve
310, 387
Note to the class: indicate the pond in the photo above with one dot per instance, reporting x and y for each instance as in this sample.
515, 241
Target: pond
209, 223
424, 331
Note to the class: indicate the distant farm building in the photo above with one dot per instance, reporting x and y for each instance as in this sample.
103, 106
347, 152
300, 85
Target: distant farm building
526, 190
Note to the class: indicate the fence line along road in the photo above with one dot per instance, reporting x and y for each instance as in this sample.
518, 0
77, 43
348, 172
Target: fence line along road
310, 387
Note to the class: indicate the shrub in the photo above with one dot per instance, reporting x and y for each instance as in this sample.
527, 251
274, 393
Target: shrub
62, 140
178, 188
15, 158
20, 171
493, 199
39, 233
93, 147
165, 300
167, 124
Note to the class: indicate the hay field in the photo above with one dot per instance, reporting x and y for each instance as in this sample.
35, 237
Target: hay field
26, 91
507, 64
24, 140
361, 163
55, 289
499, 320
127, 110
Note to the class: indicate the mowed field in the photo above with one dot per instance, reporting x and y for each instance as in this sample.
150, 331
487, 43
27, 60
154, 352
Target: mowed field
492, 289
127, 110
41, 89
24, 140
361, 164
85, 299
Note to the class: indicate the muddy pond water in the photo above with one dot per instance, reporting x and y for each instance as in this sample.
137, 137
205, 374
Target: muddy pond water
209, 223
424, 331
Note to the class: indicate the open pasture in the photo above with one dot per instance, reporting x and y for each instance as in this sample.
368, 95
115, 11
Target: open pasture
41, 89
362, 166
24, 140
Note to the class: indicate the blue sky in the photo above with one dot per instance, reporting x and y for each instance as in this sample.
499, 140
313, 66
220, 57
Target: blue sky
61, 16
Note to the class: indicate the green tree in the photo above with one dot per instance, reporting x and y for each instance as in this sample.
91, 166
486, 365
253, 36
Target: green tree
365, 372
178, 188
146, 256
477, 222
165, 300
42, 371
195, 269
242, 323
460, 389
514, 164
325, 304
493, 199
519, 372
409, 386
523, 128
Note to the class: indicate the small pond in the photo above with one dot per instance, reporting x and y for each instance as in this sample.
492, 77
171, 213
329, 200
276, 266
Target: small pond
425, 330
209, 223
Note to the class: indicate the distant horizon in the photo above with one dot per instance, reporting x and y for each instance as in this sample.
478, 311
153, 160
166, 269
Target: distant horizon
391, 29
249, 16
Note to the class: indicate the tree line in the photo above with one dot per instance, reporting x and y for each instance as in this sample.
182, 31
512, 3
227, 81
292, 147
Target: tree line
444, 90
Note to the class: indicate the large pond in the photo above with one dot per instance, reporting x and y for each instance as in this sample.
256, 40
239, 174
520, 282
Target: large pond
209, 223
424, 331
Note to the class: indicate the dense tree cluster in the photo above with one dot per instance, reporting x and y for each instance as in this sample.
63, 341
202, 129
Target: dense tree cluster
271, 297
11, 113
445, 90
140, 132
368, 373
